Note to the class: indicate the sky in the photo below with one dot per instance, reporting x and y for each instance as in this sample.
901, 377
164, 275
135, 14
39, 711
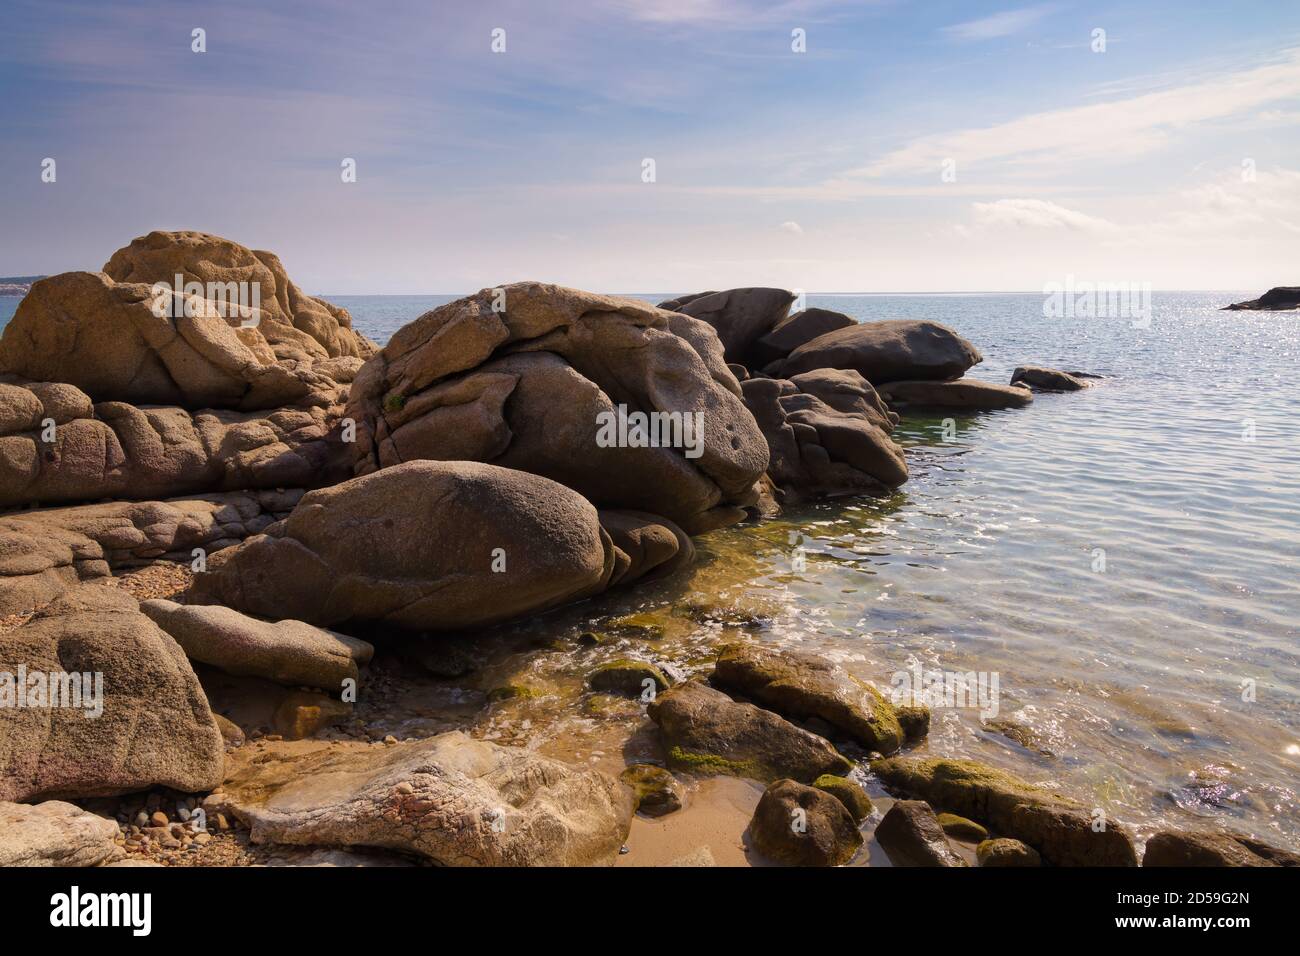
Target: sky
909, 146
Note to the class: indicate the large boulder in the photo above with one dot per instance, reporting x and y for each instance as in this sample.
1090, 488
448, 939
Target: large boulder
55, 833
155, 727
705, 731
803, 686
892, 351
910, 833
44, 553
801, 826
534, 377
740, 317
819, 450
794, 330
286, 652
427, 545
967, 394
1062, 830
1213, 848
449, 799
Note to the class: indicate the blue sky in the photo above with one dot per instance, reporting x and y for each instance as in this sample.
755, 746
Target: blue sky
1171, 157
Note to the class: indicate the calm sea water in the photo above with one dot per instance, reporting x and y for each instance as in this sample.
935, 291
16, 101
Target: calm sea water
1164, 682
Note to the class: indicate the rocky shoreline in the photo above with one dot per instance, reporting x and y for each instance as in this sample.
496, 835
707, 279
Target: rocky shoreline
294, 567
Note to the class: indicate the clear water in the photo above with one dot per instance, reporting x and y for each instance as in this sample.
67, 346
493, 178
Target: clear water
1165, 685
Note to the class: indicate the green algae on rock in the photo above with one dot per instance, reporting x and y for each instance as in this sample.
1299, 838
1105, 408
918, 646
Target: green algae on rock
803, 826
657, 791
847, 792
1006, 852
961, 828
628, 677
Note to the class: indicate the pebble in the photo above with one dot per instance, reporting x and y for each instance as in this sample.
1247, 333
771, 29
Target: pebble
183, 812
390, 740
141, 819
158, 819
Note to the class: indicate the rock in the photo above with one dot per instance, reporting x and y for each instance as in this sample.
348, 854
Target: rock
961, 828
817, 450
847, 792
915, 721
911, 835
802, 826
705, 731
159, 819
44, 553
449, 799
1213, 848
657, 791
1042, 379
740, 317
232, 735
646, 546
963, 393
303, 714
1006, 852
1019, 733
55, 834
1059, 828
794, 330
1277, 299
893, 351
538, 388
155, 729
802, 686
286, 652
415, 546
629, 678
610, 706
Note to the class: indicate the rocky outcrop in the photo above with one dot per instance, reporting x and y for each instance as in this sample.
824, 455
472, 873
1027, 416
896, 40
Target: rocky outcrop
1213, 848
1062, 830
549, 380
827, 435
964, 393
911, 835
427, 545
1278, 299
1005, 852
793, 331
155, 727
802, 687
801, 826
705, 731
44, 553
741, 317
286, 652
449, 799
1042, 379
55, 834
892, 351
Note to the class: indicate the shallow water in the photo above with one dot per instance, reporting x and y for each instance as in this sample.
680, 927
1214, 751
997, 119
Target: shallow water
1182, 467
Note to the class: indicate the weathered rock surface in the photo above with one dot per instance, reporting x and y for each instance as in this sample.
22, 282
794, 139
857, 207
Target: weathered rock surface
803, 826
1058, 827
1277, 299
911, 835
55, 834
740, 317
450, 799
526, 388
629, 678
897, 350
156, 728
705, 731
44, 553
817, 449
415, 546
646, 546
1006, 852
963, 393
803, 686
656, 791
1042, 379
1213, 848
287, 652
793, 331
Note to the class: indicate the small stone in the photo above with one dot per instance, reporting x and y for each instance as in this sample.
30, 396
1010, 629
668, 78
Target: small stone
183, 812
222, 823
657, 791
158, 819
628, 677
1006, 852
390, 741
141, 819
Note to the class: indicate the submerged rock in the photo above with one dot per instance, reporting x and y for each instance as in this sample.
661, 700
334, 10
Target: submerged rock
803, 826
629, 678
911, 835
1042, 379
1213, 848
55, 834
657, 791
705, 731
803, 686
964, 393
847, 792
892, 351
1006, 852
1062, 830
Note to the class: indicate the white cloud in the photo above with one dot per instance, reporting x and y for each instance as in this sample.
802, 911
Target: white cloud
1038, 214
792, 227
999, 24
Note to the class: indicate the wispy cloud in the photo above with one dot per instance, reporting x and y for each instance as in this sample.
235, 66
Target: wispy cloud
1038, 214
999, 24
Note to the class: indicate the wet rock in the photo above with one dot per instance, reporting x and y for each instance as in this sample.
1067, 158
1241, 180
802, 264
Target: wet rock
847, 792
629, 678
1019, 733
739, 316
915, 721
1213, 848
794, 330
657, 792
963, 393
892, 351
155, 728
1006, 852
302, 714
611, 706
646, 546
1042, 379
705, 731
802, 686
55, 834
802, 826
449, 799
961, 828
911, 835
1059, 828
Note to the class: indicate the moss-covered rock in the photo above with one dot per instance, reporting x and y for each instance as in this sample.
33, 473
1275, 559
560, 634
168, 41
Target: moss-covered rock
1213, 848
802, 686
1062, 830
1005, 851
961, 828
915, 721
629, 678
513, 691
657, 791
847, 792
911, 835
611, 706
644, 624
1019, 733
803, 826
